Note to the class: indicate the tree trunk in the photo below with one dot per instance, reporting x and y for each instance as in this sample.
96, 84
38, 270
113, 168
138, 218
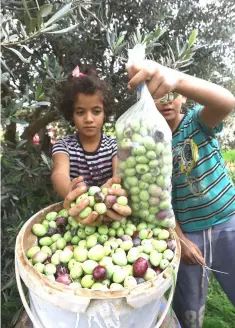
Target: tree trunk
42, 122
10, 134
45, 142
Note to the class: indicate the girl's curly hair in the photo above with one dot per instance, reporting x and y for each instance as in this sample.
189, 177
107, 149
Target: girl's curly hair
88, 84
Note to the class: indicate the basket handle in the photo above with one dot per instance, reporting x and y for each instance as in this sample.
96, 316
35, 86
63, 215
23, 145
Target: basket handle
164, 313
23, 298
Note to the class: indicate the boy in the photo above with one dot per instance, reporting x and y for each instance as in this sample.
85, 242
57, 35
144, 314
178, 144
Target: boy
203, 195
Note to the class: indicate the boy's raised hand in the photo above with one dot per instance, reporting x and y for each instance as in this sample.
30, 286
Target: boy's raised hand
159, 79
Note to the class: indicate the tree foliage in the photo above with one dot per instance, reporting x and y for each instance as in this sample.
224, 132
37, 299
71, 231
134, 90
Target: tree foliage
43, 41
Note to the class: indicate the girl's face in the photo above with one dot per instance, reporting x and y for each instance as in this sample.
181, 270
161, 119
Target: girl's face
88, 114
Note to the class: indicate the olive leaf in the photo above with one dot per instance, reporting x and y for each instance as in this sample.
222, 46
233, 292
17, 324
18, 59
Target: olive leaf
64, 30
60, 14
32, 24
192, 38
45, 10
22, 58
49, 28
24, 2
31, 51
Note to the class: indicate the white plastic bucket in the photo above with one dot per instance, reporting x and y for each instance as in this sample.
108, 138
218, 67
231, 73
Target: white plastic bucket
53, 305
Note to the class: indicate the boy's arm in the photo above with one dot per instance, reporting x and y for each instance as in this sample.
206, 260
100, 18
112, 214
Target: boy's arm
190, 253
218, 102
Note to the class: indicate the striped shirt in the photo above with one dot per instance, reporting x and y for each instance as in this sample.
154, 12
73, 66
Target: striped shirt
203, 195
95, 167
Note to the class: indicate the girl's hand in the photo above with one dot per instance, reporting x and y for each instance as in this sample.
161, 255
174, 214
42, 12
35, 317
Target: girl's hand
93, 219
159, 79
77, 187
118, 212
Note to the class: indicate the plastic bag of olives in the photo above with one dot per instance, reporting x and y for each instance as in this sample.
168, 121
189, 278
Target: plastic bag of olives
145, 158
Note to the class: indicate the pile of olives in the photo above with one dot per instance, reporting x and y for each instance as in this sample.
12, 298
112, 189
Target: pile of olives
110, 256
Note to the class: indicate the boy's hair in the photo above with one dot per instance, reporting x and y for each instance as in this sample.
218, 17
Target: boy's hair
89, 84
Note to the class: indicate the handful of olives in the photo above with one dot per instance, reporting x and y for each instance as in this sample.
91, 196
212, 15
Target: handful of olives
99, 200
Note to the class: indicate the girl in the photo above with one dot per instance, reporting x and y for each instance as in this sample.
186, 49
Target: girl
89, 153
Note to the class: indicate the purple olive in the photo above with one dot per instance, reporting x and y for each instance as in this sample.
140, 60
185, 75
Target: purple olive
99, 197
123, 154
157, 270
48, 260
171, 244
158, 136
135, 235
125, 237
140, 267
139, 280
164, 214
51, 232
136, 241
110, 200
60, 230
60, 270
99, 273
64, 279
74, 232
61, 221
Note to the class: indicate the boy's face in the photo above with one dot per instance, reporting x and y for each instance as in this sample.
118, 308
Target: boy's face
171, 110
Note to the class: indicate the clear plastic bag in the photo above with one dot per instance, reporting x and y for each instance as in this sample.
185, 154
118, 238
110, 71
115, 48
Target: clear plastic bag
145, 157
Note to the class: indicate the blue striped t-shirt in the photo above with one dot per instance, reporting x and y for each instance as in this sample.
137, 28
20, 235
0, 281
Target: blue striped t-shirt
203, 195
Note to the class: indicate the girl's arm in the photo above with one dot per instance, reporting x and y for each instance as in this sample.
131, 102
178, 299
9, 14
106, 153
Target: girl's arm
114, 165
60, 174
